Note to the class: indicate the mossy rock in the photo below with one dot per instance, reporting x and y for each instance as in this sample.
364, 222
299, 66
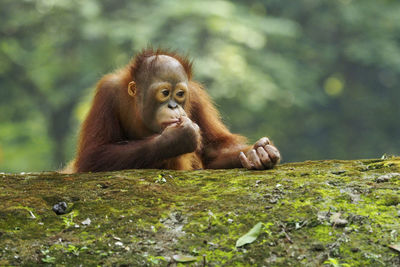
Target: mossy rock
313, 213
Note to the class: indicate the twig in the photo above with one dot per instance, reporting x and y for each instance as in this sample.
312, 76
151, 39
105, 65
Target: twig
286, 234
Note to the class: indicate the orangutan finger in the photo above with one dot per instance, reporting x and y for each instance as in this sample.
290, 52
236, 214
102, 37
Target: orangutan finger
263, 155
255, 160
262, 142
245, 161
273, 153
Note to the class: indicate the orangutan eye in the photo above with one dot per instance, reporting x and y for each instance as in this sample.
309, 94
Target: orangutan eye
180, 93
165, 92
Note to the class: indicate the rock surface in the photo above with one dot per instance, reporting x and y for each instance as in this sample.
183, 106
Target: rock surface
313, 213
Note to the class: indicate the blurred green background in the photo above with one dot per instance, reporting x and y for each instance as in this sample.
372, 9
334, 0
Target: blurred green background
320, 77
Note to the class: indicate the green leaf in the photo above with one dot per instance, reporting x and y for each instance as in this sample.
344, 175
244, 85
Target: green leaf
250, 236
184, 258
49, 259
395, 247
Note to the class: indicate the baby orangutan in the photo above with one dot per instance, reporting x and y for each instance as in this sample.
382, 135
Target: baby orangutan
151, 114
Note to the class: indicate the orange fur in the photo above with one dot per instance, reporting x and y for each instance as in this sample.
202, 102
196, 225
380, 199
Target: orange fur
114, 137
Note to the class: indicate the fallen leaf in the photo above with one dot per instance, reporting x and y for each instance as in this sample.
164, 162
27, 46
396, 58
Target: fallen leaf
184, 258
250, 236
395, 247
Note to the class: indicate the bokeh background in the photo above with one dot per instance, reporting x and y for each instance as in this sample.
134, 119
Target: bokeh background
320, 77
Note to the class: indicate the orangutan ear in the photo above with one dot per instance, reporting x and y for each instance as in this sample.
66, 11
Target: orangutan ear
132, 89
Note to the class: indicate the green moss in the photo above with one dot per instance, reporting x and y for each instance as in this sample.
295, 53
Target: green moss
324, 233
144, 217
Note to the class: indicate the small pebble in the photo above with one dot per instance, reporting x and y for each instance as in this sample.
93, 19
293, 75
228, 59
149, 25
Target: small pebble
338, 172
87, 222
340, 222
387, 177
347, 229
337, 221
318, 247
60, 208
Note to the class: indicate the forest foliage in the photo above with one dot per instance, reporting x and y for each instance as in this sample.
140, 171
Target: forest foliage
320, 78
